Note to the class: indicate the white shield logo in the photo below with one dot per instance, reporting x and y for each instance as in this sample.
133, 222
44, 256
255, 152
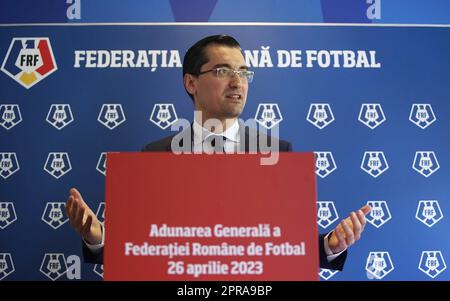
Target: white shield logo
327, 274
7, 214
57, 164
53, 265
429, 212
268, 115
9, 116
371, 115
326, 213
324, 164
59, 115
422, 115
378, 265
98, 269
101, 212
320, 115
111, 115
425, 163
379, 214
8, 164
55, 214
374, 163
432, 263
101, 164
6, 265
163, 115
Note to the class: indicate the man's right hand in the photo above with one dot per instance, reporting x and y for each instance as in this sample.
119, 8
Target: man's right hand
82, 219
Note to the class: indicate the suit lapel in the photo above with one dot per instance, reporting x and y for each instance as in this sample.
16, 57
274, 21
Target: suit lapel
183, 134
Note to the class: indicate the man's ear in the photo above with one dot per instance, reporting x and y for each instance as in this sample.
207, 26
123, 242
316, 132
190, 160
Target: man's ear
190, 83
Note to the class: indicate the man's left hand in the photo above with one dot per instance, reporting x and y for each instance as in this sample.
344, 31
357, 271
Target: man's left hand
348, 231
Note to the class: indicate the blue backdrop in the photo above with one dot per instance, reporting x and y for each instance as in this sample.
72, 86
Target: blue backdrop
407, 159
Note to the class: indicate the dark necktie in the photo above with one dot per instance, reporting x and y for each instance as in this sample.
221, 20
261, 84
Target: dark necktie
217, 142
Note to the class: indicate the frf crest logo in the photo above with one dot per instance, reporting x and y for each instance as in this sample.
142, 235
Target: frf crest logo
379, 214
9, 116
422, 115
8, 164
371, 115
57, 164
320, 115
326, 213
6, 265
101, 212
59, 115
425, 163
163, 115
327, 274
432, 263
7, 214
101, 164
378, 265
55, 265
324, 164
429, 212
55, 214
268, 115
374, 163
98, 269
111, 115
29, 60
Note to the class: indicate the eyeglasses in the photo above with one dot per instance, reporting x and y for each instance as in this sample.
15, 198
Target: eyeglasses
223, 72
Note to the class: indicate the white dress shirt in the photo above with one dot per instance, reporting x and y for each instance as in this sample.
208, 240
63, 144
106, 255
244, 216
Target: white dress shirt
201, 135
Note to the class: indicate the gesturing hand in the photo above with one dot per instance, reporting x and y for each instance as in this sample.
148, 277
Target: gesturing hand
82, 219
349, 230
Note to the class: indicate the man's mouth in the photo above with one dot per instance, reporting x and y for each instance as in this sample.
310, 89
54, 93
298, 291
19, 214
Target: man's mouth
234, 97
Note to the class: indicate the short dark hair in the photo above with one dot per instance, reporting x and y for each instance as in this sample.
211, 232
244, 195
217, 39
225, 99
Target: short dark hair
196, 57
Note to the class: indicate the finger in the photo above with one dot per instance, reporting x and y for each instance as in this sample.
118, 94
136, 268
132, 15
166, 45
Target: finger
77, 195
362, 219
340, 229
69, 204
366, 209
73, 213
87, 226
341, 239
349, 237
81, 203
79, 219
356, 226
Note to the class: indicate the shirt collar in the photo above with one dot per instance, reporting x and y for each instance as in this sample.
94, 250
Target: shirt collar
200, 133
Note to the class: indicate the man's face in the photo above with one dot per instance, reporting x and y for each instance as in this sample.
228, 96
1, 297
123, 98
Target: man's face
221, 98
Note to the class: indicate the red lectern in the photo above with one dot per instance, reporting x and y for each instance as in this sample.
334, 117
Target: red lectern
210, 217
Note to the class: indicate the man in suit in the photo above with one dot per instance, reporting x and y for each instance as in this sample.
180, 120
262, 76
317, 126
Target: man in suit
216, 78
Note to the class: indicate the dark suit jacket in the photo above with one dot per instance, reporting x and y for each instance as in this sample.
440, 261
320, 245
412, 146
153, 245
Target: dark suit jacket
165, 145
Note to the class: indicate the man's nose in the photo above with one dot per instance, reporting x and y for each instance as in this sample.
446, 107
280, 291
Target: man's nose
236, 81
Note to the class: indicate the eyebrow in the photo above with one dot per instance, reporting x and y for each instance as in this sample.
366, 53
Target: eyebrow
228, 66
